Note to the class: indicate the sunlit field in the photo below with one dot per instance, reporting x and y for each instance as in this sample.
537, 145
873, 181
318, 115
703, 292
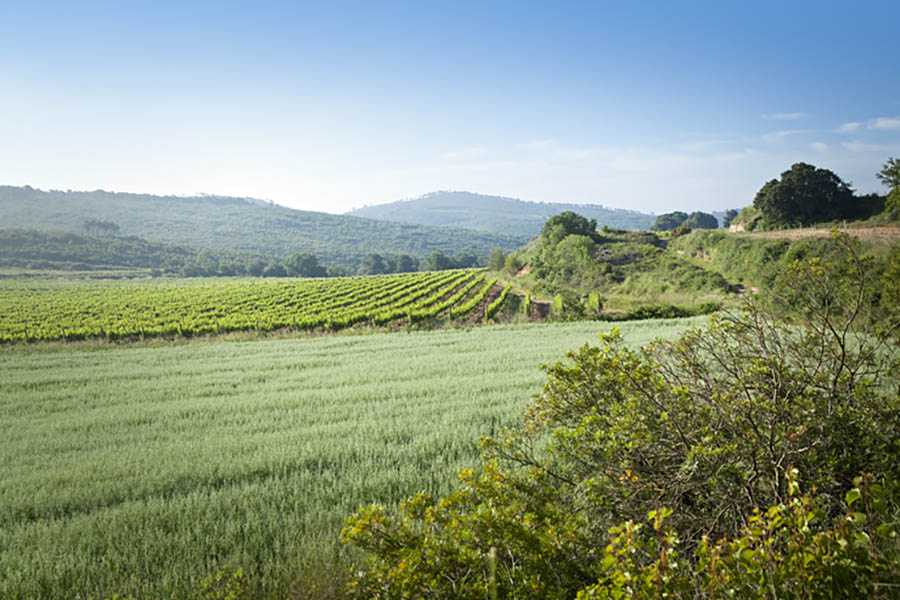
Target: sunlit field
142, 470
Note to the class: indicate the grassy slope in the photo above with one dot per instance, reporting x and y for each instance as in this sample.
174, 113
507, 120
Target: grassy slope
495, 213
142, 470
704, 266
755, 259
239, 224
633, 268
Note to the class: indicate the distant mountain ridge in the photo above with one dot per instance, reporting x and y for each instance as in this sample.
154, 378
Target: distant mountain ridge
243, 224
495, 214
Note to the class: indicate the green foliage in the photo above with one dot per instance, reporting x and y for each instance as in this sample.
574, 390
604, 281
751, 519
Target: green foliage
729, 216
790, 550
568, 306
805, 195
496, 260
494, 214
513, 264
752, 260
242, 224
890, 173
890, 285
673, 220
184, 308
565, 224
669, 221
228, 583
700, 220
892, 203
495, 306
680, 231
59, 251
250, 453
710, 426
100, 227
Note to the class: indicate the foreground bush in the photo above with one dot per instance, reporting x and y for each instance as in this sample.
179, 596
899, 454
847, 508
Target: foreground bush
715, 427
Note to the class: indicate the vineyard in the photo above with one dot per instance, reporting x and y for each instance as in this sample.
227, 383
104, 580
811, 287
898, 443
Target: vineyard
41, 311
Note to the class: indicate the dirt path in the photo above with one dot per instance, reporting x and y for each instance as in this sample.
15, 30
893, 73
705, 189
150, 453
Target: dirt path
476, 315
871, 233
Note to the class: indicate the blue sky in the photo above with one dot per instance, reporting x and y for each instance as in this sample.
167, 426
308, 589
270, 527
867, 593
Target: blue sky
653, 106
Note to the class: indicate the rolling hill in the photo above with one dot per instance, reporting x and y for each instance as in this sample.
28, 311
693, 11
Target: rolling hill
241, 224
495, 214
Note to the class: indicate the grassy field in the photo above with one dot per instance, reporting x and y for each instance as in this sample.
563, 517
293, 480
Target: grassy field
142, 470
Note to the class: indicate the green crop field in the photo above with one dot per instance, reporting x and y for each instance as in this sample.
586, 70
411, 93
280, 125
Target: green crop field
141, 470
36, 310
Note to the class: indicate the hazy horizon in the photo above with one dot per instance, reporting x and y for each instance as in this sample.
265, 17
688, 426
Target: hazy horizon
653, 107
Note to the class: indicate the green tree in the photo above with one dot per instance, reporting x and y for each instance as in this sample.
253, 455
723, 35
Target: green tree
465, 260
572, 258
373, 264
669, 221
437, 261
404, 263
496, 260
711, 426
729, 216
890, 176
99, 227
701, 220
805, 195
303, 265
513, 263
566, 223
890, 173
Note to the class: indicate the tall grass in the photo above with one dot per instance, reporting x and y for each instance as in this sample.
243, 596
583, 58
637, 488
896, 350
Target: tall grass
139, 470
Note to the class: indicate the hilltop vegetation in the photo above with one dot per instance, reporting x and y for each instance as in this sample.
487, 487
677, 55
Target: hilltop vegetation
588, 269
495, 214
50, 251
805, 195
239, 224
687, 266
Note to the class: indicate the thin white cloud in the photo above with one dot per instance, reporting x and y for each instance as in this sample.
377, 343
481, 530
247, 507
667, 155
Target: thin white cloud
465, 153
786, 116
857, 146
849, 127
819, 146
777, 136
537, 145
889, 123
700, 146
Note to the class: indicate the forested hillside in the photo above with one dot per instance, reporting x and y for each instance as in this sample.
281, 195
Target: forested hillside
30, 250
238, 224
495, 214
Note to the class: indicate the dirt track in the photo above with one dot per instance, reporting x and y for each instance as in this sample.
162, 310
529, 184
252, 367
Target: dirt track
877, 233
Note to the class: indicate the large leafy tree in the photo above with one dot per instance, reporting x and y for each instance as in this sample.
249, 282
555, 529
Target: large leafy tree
805, 195
566, 223
701, 220
669, 221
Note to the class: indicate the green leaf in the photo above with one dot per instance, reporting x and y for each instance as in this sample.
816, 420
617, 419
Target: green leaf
852, 496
